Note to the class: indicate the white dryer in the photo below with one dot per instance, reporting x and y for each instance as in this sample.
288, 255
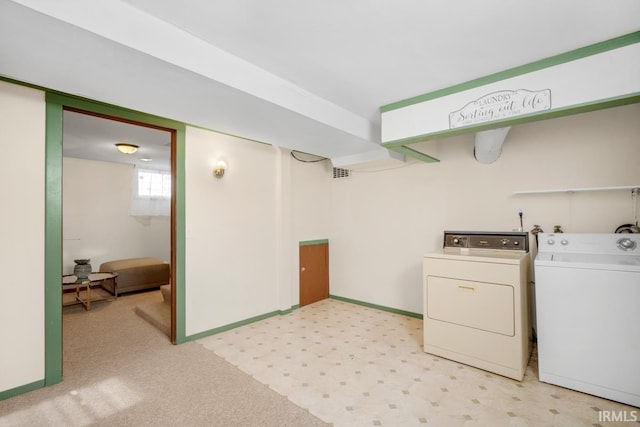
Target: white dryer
588, 313
476, 301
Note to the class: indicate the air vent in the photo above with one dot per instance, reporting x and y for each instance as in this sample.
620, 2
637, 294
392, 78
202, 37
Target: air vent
341, 173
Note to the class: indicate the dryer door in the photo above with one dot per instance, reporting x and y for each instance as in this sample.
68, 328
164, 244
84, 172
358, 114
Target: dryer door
485, 306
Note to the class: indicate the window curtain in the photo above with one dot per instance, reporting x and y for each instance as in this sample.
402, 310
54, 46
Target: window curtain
151, 193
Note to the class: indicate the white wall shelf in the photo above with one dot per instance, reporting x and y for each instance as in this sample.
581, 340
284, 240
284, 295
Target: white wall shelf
577, 190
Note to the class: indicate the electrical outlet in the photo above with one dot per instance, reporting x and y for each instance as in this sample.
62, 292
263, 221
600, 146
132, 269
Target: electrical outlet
521, 211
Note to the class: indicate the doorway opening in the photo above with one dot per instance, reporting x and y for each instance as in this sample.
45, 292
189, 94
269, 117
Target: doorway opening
56, 105
119, 205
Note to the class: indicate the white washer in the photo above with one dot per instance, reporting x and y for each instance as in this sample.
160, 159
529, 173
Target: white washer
475, 301
588, 313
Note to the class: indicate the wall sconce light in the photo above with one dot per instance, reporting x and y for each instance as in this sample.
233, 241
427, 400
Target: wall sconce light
127, 148
218, 171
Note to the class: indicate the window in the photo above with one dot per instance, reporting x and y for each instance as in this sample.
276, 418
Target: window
154, 183
151, 194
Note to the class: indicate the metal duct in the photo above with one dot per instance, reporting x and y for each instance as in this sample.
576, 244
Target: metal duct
489, 144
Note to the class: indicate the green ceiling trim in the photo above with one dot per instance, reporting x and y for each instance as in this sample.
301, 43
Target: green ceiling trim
230, 134
602, 104
562, 58
407, 151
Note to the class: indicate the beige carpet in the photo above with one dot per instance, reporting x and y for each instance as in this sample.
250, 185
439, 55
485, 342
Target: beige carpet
120, 370
158, 314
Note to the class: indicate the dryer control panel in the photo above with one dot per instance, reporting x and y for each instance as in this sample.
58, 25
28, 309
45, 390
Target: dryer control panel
512, 241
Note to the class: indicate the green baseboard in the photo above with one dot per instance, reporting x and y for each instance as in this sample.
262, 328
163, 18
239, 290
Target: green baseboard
21, 390
378, 307
290, 310
240, 323
244, 322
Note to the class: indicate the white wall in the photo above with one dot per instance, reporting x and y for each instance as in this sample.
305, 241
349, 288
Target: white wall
231, 231
22, 136
311, 212
96, 220
384, 222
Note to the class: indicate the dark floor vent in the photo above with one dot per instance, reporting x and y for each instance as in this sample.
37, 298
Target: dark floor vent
341, 173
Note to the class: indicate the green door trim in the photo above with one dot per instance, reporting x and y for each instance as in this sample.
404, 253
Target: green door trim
53, 246
55, 105
314, 242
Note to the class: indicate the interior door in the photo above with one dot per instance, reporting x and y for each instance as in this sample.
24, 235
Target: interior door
314, 272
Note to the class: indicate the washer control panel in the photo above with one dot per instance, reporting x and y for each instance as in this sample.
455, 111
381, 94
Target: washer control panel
605, 243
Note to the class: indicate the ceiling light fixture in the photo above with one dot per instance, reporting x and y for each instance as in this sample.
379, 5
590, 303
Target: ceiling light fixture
127, 148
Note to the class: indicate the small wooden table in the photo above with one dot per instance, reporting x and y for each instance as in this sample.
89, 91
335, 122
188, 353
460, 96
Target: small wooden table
71, 281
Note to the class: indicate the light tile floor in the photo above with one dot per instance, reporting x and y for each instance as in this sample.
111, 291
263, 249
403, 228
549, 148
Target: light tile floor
356, 366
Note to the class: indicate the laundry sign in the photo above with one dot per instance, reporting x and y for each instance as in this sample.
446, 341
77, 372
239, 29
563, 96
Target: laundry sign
500, 105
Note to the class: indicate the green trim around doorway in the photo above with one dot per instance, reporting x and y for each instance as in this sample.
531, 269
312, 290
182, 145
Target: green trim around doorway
180, 233
53, 245
55, 104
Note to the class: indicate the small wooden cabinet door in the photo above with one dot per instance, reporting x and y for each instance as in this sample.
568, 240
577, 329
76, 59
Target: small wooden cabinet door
314, 273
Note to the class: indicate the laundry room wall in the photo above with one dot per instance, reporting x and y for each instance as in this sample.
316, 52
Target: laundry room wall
384, 221
597, 149
231, 231
22, 218
311, 209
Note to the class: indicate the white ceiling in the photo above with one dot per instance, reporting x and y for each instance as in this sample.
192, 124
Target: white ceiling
305, 75
89, 137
